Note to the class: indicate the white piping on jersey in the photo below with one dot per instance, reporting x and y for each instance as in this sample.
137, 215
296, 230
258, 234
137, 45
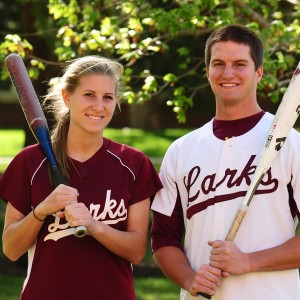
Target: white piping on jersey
122, 163
37, 170
30, 253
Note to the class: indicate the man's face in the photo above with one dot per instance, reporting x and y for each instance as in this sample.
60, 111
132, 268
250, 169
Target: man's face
232, 74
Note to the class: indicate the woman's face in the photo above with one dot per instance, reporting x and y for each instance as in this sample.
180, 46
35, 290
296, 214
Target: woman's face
92, 104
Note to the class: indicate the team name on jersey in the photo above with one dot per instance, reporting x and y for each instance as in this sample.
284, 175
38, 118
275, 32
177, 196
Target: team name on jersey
113, 212
207, 185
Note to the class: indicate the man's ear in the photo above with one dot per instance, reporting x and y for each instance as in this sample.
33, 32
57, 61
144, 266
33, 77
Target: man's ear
207, 73
66, 98
259, 73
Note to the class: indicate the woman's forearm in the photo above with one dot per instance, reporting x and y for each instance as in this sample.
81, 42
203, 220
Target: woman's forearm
19, 233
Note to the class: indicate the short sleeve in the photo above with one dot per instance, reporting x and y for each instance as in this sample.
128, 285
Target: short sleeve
147, 181
16, 181
15, 184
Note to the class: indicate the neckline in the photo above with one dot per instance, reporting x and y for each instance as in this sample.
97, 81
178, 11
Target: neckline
94, 156
224, 129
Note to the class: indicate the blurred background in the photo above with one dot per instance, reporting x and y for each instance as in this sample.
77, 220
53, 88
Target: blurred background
165, 90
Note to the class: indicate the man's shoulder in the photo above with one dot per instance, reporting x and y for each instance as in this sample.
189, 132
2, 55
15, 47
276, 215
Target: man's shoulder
201, 132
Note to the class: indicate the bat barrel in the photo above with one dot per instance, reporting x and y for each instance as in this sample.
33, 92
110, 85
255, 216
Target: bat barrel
35, 117
24, 88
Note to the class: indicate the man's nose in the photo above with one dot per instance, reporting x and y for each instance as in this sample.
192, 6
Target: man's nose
228, 72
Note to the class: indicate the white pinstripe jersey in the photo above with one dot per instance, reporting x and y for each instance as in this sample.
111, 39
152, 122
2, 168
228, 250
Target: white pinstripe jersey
212, 177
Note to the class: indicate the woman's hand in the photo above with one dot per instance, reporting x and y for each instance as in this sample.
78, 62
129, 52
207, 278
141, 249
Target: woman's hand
56, 202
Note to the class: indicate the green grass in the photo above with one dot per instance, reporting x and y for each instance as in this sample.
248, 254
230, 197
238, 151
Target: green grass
155, 289
146, 288
153, 143
10, 287
11, 142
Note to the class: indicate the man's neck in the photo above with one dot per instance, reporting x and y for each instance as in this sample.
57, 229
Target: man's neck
235, 112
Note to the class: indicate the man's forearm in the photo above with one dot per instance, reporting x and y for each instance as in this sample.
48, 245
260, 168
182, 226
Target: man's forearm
283, 257
175, 265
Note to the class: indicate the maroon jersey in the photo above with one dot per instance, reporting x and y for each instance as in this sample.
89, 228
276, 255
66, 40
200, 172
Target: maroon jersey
61, 266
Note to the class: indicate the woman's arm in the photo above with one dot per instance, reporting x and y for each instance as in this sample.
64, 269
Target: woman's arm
130, 244
20, 231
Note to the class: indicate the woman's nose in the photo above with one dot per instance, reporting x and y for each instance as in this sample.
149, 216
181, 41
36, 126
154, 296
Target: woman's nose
98, 105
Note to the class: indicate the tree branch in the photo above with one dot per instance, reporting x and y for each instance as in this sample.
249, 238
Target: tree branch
254, 16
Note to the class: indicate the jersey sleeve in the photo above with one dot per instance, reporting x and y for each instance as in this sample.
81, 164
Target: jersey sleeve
168, 223
147, 181
15, 184
165, 200
167, 230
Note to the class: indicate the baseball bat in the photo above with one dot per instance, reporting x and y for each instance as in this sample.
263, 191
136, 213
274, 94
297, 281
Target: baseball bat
284, 120
35, 117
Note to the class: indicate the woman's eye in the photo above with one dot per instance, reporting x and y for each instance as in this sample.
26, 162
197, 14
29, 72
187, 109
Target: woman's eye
89, 94
108, 97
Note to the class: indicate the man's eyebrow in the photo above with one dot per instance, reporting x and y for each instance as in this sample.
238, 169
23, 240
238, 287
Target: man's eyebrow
235, 61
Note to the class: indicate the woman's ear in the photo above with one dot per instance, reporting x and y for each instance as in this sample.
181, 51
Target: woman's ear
118, 106
66, 98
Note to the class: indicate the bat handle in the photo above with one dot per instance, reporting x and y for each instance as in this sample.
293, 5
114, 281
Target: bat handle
236, 223
204, 295
231, 234
80, 231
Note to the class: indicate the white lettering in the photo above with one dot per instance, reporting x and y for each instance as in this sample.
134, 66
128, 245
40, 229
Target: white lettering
113, 213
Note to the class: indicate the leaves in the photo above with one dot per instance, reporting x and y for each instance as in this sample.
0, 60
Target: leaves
161, 43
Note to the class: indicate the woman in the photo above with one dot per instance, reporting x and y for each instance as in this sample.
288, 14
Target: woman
108, 192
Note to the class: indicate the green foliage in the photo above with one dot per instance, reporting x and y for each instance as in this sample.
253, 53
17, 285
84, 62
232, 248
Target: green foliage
147, 288
166, 37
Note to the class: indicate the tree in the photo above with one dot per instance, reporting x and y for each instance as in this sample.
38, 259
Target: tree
161, 43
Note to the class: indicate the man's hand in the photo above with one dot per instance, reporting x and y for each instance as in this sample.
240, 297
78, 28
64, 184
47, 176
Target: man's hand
206, 280
227, 257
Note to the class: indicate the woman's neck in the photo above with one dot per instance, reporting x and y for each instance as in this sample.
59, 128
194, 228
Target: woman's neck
81, 149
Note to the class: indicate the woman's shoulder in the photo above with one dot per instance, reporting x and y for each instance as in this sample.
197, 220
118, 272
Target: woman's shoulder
122, 150
32, 151
31, 156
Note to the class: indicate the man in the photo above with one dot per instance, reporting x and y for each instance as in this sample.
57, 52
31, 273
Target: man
206, 174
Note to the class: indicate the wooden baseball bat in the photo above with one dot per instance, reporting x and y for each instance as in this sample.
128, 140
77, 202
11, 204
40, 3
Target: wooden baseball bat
284, 120
35, 117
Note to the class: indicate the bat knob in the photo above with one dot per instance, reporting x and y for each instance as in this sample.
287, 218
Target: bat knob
204, 295
80, 231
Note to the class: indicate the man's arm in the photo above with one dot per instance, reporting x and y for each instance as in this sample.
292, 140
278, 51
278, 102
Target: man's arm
175, 265
227, 257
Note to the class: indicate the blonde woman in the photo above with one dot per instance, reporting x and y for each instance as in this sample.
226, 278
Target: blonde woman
108, 192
